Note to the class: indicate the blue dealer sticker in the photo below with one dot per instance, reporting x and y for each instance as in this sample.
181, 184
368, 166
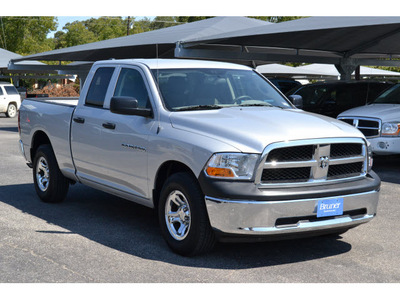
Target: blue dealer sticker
330, 207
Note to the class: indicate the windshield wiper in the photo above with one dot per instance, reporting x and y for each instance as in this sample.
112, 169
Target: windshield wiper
256, 104
199, 107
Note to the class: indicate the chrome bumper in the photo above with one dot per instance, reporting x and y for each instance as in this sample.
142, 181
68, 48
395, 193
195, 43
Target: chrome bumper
260, 217
385, 145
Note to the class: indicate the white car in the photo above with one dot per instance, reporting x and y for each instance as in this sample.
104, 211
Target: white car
379, 121
10, 100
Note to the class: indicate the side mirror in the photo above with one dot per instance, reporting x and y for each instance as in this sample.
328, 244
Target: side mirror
296, 100
128, 106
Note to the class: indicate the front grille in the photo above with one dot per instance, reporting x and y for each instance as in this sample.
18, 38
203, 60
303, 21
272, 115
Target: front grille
291, 153
369, 127
346, 170
345, 150
284, 175
313, 162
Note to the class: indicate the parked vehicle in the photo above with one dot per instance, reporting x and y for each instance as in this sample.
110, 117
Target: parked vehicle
212, 146
284, 84
379, 121
332, 98
10, 100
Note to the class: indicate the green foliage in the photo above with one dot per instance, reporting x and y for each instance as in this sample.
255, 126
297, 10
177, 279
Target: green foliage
277, 19
26, 35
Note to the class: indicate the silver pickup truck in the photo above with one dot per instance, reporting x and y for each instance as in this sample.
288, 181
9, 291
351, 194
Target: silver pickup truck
379, 121
214, 147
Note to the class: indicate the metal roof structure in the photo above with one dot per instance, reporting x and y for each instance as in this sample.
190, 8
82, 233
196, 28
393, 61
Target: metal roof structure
6, 56
330, 70
157, 43
321, 71
295, 72
345, 42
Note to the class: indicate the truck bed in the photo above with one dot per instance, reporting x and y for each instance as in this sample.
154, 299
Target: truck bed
52, 116
68, 101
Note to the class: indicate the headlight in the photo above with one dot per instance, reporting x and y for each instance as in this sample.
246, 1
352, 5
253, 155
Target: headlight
231, 165
391, 129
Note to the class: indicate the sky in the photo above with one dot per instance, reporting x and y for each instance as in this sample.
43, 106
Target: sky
62, 20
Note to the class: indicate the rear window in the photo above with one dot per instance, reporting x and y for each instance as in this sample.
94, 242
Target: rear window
98, 87
11, 90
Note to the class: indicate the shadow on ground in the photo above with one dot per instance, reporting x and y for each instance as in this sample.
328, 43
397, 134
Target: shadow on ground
388, 168
133, 229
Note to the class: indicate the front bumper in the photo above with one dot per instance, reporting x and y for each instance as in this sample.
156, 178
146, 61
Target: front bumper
277, 217
385, 145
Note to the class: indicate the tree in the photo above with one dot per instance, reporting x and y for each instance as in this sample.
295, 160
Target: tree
76, 34
162, 22
277, 19
105, 28
27, 35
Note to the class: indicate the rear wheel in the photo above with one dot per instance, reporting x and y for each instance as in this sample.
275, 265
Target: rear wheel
11, 110
50, 183
183, 216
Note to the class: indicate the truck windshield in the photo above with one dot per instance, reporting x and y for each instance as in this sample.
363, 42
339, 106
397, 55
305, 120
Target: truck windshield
198, 89
391, 96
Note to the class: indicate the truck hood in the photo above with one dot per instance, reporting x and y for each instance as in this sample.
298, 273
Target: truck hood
251, 129
385, 112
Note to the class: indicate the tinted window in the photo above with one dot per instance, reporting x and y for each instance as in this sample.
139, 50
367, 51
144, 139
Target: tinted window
130, 84
311, 94
98, 87
1, 91
391, 96
377, 88
11, 90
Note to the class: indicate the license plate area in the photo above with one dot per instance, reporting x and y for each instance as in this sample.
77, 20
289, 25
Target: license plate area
330, 207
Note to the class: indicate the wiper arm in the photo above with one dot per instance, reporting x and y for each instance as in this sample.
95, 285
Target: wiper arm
256, 104
199, 107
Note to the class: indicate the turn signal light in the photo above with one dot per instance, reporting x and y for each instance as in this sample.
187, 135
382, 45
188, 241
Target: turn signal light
219, 172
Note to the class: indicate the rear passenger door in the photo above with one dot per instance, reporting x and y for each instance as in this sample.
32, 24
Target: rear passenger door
87, 144
110, 149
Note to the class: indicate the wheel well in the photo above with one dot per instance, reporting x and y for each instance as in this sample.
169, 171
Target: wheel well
12, 102
166, 170
40, 138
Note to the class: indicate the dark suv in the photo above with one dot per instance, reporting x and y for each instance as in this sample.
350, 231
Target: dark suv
332, 98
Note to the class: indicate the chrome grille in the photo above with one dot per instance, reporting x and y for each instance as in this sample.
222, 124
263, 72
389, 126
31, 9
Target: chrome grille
312, 161
368, 126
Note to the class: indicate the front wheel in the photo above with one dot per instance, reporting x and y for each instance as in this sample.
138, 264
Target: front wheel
50, 183
183, 216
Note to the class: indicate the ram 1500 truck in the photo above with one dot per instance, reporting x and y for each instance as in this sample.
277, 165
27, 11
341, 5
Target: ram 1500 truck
379, 121
214, 147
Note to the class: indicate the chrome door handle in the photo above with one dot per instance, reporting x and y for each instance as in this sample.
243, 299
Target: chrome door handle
109, 125
79, 120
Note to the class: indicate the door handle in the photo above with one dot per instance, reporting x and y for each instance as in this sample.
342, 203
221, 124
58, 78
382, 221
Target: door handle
79, 120
109, 125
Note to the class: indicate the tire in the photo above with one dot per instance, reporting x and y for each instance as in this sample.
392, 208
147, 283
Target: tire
11, 111
50, 185
183, 216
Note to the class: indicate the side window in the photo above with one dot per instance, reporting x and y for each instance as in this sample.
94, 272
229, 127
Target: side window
1, 91
11, 90
98, 87
130, 84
